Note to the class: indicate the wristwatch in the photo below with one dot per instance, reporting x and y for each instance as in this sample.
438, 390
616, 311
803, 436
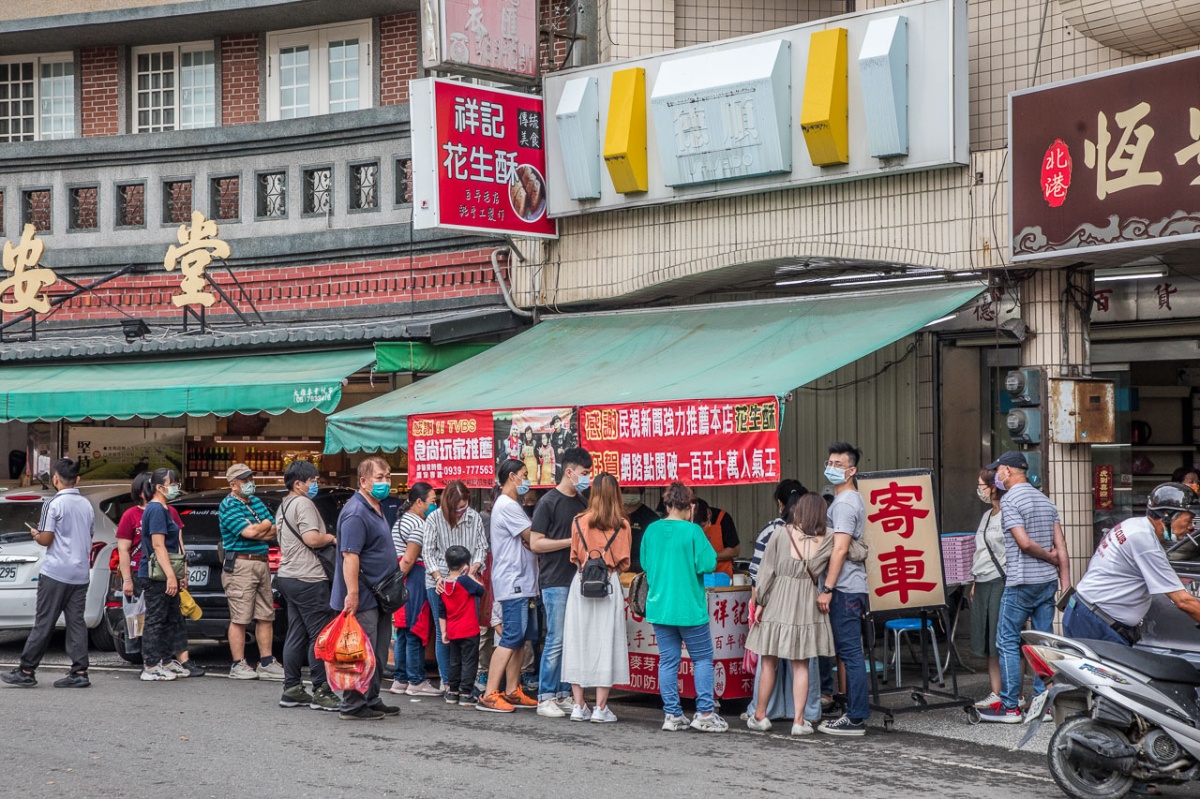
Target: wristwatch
826, 589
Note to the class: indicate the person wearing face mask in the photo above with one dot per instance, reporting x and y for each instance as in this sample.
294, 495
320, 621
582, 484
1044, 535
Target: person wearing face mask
302, 581
633, 501
409, 676
551, 540
988, 570
455, 523
246, 526
165, 632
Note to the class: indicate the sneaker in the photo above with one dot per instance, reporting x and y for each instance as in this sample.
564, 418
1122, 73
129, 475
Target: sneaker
550, 709
843, 726
494, 703
362, 714
578, 712
387, 710
325, 699
295, 696
398, 687
156, 673
192, 669
758, 725
803, 728
529, 683
1001, 715
23, 679
424, 688
826, 701
520, 699
481, 684
709, 722
675, 723
566, 704
988, 700
242, 671
272, 672
74, 680
602, 715
467, 700
451, 698
176, 668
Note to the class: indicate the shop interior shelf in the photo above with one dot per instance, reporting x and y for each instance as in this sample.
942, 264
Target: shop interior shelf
1163, 447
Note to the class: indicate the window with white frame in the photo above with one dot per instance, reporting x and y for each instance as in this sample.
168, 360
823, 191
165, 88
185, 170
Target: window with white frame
174, 87
318, 71
37, 97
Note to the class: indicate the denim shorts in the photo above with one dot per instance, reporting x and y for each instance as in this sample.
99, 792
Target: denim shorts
520, 620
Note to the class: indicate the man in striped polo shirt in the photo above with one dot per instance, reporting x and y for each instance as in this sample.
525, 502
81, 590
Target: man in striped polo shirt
1037, 565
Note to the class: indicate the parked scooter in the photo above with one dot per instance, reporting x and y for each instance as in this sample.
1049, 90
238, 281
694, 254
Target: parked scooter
1122, 715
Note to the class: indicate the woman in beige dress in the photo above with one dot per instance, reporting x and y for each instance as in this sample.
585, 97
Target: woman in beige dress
789, 625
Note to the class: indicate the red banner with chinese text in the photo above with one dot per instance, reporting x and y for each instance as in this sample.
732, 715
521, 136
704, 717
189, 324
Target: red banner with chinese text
699, 442
452, 446
904, 566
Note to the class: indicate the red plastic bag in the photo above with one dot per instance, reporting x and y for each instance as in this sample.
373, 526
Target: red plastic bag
750, 659
342, 641
352, 676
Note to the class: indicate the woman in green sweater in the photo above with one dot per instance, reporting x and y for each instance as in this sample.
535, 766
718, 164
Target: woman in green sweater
676, 555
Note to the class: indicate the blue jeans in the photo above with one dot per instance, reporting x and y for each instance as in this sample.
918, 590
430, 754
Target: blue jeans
845, 616
409, 654
554, 600
1032, 602
1079, 622
700, 649
825, 668
441, 651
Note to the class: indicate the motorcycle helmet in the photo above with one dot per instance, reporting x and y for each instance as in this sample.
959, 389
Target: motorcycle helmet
1168, 500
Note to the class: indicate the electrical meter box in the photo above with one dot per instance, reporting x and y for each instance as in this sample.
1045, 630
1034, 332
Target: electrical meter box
1082, 411
1025, 425
1024, 386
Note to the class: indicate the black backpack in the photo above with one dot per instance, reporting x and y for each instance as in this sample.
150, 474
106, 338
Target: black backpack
593, 577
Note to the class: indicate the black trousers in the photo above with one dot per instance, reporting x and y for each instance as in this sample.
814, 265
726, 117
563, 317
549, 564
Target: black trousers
165, 635
308, 613
56, 599
464, 664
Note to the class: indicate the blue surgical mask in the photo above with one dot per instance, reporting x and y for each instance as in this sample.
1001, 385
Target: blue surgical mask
313, 488
381, 490
834, 475
583, 483
430, 508
248, 489
523, 488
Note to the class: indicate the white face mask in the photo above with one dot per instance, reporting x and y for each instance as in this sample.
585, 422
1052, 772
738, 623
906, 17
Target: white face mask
984, 495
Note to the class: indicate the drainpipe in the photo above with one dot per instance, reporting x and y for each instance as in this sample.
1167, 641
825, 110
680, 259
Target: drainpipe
508, 300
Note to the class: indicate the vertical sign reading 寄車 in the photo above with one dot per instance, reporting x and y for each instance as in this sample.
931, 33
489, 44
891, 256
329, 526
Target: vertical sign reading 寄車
904, 566
479, 160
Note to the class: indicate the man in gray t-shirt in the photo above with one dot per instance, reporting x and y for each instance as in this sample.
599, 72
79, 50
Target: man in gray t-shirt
843, 593
65, 530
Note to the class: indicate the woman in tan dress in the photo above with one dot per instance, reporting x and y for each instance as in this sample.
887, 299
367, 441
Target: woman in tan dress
788, 625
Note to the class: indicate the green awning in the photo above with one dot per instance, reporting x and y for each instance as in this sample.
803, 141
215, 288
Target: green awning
146, 389
418, 356
695, 352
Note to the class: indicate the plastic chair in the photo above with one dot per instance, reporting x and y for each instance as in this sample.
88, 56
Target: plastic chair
897, 628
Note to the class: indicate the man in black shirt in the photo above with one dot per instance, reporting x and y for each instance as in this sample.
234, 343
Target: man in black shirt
640, 517
561, 439
550, 538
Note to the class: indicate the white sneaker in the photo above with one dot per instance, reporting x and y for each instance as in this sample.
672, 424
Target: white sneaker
423, 688
242, 671
176, 668
709, 723
602, 715
675, 723
550, 709
398, 687
758, 725
581, 713
156, 674
988, 700
566, 704
273, 672
803, 728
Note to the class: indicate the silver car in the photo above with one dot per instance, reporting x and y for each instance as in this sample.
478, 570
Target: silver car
21, 557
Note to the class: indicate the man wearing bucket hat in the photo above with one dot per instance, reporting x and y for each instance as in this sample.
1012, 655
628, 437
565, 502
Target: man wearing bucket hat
246, 526
1035, 552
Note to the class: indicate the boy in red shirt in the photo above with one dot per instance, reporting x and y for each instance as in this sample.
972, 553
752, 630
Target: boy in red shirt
459, 625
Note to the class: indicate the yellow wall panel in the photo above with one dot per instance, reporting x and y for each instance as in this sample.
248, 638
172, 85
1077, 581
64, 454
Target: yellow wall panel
824, 114
625, 136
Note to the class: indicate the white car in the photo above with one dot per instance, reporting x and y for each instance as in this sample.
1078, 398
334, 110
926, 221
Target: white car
21, 557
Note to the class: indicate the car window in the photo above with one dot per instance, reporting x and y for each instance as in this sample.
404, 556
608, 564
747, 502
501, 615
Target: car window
15, 515
115, 508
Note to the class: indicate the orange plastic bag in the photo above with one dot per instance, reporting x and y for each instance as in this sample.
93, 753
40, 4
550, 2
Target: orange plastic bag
352, 676
342, 641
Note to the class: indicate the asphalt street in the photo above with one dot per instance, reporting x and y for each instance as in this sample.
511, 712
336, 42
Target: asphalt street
215, 737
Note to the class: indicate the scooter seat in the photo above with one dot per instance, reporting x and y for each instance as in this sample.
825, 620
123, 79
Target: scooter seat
1157, 667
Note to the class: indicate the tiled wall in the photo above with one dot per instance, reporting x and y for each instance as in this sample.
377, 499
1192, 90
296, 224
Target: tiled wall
700, 21
630, 28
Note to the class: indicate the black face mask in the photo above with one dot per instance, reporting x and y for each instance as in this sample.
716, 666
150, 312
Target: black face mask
529, 510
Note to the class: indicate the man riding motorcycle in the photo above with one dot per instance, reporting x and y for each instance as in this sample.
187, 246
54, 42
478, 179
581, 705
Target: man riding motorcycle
1129, 566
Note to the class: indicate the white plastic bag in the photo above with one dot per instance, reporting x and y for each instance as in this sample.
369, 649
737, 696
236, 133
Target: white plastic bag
135, 615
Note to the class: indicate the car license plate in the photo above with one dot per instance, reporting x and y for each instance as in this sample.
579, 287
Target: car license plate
197, 576
8, 574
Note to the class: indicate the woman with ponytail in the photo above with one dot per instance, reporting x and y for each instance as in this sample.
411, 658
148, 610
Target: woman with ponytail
409, 646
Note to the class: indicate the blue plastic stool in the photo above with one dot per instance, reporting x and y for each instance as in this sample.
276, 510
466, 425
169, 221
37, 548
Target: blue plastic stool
897, 628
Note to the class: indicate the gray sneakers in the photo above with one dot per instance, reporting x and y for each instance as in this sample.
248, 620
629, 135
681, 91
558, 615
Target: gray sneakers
675, 723
242, 671
273, 672
709, 723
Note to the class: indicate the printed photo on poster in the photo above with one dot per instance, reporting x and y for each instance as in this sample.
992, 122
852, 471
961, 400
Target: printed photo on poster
122, 453
539, 438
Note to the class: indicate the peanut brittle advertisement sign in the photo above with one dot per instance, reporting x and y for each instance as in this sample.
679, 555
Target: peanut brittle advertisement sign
904, 567
479, 160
